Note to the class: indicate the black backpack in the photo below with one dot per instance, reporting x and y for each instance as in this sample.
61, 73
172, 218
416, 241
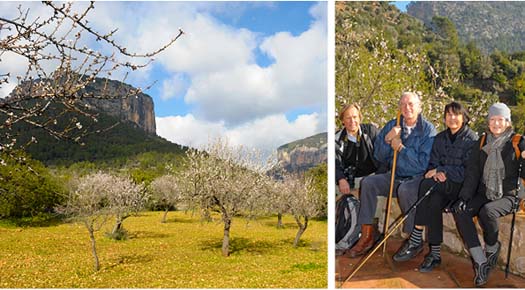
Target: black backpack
346, 227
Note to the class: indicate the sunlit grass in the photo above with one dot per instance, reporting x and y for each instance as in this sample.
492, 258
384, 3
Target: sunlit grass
184, 252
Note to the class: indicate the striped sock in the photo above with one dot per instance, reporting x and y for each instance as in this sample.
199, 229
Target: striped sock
435, 250
416, 237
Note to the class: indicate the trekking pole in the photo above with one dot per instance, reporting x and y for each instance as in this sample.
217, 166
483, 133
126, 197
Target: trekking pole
514, 210
392, 230
392, 181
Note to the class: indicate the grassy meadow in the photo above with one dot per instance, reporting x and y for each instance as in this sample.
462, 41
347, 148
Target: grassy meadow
184, 252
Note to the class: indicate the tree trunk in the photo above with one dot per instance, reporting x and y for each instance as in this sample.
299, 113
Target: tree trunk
165, 215
302, 229
93, 247
280, 220
226, 238
118, 224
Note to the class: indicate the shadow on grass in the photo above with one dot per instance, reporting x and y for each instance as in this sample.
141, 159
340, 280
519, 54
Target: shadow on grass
178, 221
39, 221
304, 267
129, 260
303, 243
241, 245
146, 235
273, 224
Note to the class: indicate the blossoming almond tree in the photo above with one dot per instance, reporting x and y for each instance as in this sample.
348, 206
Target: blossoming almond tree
165, 192
302, 201
125, 198
228, 179
87, 203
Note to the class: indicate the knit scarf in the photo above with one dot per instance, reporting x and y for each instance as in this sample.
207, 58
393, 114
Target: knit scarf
494, 170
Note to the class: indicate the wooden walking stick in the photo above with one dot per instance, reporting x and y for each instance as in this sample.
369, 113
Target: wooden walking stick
392, 181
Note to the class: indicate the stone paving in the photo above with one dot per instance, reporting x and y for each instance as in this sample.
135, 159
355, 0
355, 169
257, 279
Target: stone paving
381, 272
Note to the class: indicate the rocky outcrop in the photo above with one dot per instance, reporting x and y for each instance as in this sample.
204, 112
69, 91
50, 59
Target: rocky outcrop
303, 154
137, 109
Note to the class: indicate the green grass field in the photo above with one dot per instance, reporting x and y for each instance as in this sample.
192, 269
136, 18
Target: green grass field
184, 252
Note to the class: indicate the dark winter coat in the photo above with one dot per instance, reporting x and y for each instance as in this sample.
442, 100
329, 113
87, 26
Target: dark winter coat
346, 152
473, 183
451, 157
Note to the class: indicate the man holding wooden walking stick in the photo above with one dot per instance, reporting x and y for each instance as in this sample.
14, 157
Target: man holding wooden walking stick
407, 140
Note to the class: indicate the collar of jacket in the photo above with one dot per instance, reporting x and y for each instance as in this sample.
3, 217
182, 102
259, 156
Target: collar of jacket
419, 130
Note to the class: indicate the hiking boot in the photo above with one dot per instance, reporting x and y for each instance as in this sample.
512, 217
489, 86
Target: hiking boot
407, 251
365, 243
429, 263
481, 273
492, 258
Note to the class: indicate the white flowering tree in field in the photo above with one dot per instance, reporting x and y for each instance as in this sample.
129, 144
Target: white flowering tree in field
97, 197
277, 199
125, 199
59, 68
87, 204
302, 200
166, 193
226, 179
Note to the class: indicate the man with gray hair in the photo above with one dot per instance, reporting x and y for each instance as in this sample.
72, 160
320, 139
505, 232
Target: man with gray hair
413, 141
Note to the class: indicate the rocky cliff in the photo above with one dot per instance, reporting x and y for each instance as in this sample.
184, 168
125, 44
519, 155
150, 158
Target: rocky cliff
137, 109
300, 155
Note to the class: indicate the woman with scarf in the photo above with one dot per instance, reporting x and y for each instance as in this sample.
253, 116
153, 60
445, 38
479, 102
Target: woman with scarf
489, 190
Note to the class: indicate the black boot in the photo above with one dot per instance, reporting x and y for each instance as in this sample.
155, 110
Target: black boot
481, 273
492, 258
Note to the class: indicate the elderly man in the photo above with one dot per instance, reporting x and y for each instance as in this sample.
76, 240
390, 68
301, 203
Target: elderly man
354, 146
413, 141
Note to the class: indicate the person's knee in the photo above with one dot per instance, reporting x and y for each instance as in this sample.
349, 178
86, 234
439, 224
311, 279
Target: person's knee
488, 213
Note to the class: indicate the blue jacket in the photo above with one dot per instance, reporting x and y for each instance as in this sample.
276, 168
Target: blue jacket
413, 159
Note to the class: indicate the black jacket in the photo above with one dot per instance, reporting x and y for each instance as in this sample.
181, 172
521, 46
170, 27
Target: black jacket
346, 152
473, 183
452, 157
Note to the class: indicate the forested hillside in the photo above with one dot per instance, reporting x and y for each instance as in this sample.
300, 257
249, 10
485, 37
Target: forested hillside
490, 24
381, 52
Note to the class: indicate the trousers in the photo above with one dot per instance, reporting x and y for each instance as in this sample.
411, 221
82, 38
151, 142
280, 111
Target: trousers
430, 211
379, 185
488, 213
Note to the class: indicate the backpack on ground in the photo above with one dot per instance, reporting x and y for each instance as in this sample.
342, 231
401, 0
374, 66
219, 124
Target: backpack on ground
346, 227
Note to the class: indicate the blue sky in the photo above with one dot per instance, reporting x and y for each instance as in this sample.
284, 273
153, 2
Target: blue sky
253, 72
401, 5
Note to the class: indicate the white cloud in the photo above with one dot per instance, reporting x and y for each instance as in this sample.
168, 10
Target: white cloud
265, 134
173, 87
229, 93
226, 83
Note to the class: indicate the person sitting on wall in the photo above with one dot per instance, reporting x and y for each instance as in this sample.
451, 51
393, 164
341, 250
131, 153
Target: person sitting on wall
448, 160
413, 142
354, 147
489, 190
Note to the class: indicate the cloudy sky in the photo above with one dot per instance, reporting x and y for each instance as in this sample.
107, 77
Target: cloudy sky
254, 72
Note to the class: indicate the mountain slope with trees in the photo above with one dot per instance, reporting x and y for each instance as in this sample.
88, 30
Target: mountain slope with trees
490, 25
381, 52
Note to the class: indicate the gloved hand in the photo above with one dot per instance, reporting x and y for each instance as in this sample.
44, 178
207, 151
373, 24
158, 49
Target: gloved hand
459, 206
